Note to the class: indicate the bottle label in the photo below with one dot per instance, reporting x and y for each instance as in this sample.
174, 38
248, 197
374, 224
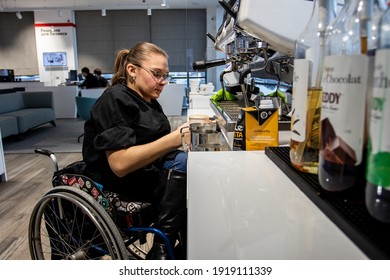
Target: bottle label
380, 104
379, 149
344, 84
299, 99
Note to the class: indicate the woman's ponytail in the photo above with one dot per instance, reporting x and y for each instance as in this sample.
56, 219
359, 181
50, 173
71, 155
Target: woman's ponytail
120, 73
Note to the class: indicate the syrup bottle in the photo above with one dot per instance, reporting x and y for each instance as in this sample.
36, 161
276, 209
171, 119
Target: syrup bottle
377, 9
307, 91
343, 110
377, 197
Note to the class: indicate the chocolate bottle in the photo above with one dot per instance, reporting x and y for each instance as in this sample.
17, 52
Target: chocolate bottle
307, 91
343, 110
377, 197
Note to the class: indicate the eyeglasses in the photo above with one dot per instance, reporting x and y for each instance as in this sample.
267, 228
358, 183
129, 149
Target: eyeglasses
156, 75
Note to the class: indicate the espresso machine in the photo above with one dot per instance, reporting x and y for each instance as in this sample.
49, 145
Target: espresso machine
255, 52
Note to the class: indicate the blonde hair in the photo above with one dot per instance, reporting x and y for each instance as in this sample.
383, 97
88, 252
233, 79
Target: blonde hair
138, 53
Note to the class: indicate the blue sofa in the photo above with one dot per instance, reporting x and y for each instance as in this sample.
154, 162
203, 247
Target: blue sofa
22, 111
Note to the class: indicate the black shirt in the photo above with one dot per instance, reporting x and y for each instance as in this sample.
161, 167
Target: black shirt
90, 81
102, 81
120, 119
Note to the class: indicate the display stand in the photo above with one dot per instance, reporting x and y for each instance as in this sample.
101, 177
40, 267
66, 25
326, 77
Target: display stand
346, 209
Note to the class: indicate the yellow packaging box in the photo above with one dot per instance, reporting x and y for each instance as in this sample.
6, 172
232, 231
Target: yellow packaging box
257, 128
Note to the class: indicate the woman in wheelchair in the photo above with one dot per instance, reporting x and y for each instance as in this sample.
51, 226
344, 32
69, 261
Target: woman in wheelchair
128, 144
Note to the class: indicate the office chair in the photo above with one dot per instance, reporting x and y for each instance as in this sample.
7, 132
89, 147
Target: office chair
83, 105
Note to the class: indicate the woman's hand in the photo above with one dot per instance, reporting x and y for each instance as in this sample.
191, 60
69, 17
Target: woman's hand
185, 135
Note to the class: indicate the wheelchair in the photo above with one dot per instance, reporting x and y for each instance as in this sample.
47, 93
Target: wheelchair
78, 220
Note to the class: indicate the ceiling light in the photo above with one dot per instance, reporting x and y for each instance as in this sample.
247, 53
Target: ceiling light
149, 12
163, 3
19, 15
104, 12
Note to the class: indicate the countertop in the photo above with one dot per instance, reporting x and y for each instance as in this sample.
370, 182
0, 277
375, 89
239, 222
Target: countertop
242, 206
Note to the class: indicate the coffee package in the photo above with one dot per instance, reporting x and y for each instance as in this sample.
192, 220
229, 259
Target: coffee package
257, 127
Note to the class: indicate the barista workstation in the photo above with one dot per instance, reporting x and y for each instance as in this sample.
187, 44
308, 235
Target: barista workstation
254, 204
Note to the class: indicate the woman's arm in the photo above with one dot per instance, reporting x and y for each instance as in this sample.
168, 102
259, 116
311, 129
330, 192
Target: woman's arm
122, 162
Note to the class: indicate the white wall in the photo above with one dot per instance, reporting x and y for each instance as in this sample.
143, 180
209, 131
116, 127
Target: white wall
55, 33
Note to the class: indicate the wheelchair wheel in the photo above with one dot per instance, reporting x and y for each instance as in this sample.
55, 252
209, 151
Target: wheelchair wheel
69, 224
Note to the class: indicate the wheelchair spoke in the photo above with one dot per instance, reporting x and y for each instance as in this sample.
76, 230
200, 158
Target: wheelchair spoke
65, 225
60, 229
68, 223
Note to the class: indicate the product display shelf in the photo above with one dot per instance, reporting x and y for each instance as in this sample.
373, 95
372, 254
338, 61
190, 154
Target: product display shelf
346, 209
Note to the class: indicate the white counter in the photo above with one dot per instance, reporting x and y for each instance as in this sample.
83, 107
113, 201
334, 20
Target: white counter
242, 206
64, 100
26, 85
92, 92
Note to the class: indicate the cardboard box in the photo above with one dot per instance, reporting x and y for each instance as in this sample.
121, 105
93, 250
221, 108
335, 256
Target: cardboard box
257, 127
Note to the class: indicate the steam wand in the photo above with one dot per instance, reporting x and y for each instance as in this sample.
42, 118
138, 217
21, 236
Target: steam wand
242, 78
222, 82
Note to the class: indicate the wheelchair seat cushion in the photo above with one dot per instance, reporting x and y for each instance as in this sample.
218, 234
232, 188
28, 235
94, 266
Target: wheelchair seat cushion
77, 167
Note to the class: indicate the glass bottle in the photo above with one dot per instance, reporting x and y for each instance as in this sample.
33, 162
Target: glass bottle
378, 166
307, 92
343, 109
376, 10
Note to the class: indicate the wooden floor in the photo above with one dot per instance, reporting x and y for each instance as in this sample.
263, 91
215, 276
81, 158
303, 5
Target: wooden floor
29, 177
